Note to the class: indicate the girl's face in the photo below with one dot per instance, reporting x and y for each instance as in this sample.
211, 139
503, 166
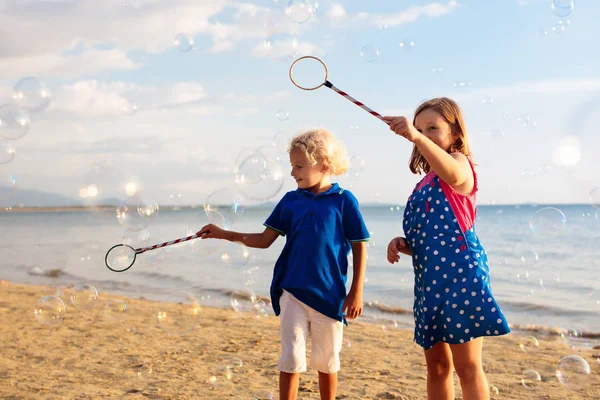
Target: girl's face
306, 175
435, 127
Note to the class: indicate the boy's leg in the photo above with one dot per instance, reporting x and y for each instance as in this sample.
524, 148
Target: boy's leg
294, 329
326, 335
327, 385
288, 385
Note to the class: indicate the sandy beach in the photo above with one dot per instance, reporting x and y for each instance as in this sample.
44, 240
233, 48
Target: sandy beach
90, 356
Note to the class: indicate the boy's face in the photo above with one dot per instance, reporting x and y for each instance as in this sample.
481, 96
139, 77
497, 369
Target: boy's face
305, 174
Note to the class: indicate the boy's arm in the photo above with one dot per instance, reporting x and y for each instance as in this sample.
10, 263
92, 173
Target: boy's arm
257, 240
359, 257
353, 305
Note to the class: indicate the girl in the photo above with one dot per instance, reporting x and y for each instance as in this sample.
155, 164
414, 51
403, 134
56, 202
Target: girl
322, 222
453, 305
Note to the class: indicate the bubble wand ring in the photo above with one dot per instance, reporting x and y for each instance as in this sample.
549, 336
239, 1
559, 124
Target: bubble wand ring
123, 256
330, 86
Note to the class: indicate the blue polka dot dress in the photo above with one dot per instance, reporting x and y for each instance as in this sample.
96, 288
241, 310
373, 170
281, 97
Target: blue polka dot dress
453, 300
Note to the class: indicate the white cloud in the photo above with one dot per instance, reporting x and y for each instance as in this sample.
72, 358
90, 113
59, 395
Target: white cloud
88, 62
542, 87
413, 13
285, 49
336, 13
62, 39
96, 98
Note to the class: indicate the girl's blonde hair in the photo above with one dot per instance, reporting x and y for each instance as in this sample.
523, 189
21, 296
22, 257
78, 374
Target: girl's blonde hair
450, 111
320, 145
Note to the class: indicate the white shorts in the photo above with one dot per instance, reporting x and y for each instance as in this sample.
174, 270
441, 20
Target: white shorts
297, 322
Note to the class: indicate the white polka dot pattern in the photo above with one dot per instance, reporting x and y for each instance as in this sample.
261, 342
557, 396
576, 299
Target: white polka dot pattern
452, 282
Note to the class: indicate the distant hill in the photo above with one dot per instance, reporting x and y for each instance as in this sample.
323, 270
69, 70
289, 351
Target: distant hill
34, 198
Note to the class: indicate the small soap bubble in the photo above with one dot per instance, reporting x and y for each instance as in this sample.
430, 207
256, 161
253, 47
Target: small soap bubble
144, 372
573, 372
14, 122
462, 85
179, 313
147, 208
548, 222
115, 310
243, 302
31, 94
531, 379
300, 11
528, 344
7, 153
595, 197
282, 115
369, 53
263, 394
496, 133
49, 310
227, 203
281, 142
129, 108
357, 164
235, 364
183, 42
562, 8
84, 296
406, 45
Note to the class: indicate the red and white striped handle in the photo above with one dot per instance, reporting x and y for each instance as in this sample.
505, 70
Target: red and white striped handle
165, 244
352, 99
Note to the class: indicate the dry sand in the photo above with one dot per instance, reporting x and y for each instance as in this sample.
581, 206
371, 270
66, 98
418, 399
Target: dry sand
88, 356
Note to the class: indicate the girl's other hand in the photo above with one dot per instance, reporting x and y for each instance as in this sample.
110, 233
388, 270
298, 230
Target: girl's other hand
394, 249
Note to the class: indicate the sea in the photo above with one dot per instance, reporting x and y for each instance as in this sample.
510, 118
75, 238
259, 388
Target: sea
544, 260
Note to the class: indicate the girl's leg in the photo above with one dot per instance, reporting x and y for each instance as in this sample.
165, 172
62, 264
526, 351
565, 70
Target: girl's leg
288, 385
440, 385
327, 385
469, 368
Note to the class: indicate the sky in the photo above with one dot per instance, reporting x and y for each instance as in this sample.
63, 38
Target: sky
528, 83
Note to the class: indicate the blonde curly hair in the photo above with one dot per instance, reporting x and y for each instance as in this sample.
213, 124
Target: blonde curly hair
320, 145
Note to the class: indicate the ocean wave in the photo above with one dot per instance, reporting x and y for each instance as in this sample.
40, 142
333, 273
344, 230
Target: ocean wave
545, 330
387, 309
546, 309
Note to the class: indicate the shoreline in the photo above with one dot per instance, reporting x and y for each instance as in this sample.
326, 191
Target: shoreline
381, 315
90, 353
85, 208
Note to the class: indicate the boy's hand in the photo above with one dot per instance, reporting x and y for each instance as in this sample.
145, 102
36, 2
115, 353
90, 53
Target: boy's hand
211, 231
353, 305
396, 246
403, 126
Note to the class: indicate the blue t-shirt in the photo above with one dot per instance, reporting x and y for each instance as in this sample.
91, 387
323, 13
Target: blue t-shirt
313, 264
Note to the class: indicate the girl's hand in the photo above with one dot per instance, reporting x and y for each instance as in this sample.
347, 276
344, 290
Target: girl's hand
211, 231
397, 245
403, 126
